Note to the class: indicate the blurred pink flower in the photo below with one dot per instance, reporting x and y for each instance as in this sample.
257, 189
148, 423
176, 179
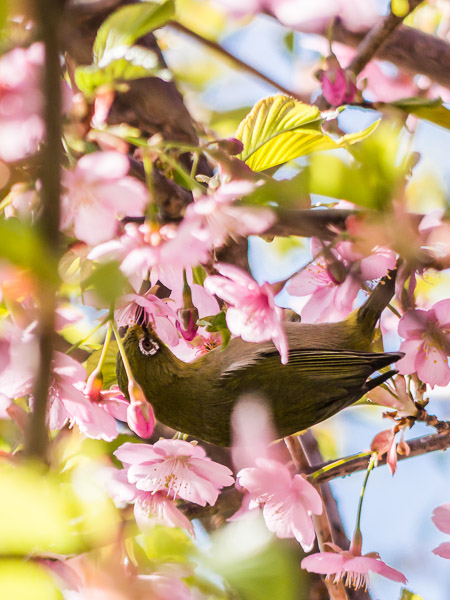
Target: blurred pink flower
338, 86
98, 191
180, 468
351, 565
148, 309
220, 217
252, 313
21, 102
20, 358
155, 508
335, 279
427, 343
164, 252
69, 403
441, 518
287, 501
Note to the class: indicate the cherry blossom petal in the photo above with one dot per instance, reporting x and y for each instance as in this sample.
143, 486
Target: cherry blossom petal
325, 563
413, 323
441, 518
377, 264
377, 566
442, 311
432, 366
412, 349
443, 550
103, 165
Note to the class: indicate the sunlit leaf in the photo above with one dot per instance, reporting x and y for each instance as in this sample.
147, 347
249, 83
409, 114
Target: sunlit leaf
135, 63
167, 544
431, 110
285, 193
109, 365
217, 324
129, 23
22, 245
255, 564
20, 580
407, 595
279, 129
108, 282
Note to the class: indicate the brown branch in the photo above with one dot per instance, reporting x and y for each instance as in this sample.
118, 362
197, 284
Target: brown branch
237, 61
408, 49
376, 37
417, 446
337, 591
49, 14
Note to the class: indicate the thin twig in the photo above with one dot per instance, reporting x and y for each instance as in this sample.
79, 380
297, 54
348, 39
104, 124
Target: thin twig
237, 61
48, 12
376, 37
418, 446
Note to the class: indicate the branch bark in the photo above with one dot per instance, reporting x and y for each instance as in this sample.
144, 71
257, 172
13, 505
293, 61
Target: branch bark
376, 37
49, 13
418, 447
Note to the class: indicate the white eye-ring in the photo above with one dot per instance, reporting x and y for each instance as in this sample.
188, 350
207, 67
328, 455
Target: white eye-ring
148, 346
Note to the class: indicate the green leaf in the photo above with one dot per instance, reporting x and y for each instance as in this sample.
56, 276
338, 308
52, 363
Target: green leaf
407, 595
108, 282
217, 323
23, 580
276, 130
285, 193
109, 366
167, 544
128, 24
255, 564
279, 129
22, 245
135, 63
431, 110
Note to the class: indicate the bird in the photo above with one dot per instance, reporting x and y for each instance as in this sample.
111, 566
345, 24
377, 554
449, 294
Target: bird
329, 368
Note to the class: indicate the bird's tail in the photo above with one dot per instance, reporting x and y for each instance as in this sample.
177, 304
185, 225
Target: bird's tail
369, 313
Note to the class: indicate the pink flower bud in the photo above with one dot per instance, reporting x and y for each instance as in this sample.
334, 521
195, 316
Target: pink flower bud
338, 86
231, 145
188, 327
94, 385
140, 416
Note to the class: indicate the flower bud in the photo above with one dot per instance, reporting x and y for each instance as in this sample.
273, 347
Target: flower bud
140, 416
338, 86
231, 145
94, 385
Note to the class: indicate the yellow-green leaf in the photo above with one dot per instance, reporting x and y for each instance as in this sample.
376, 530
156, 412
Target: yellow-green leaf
279, 129
109, 365
25, 580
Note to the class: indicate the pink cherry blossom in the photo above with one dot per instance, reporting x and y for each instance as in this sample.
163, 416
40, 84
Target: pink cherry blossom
394, 396
335, 279
148, 309
337, 85
155, 508
441, 518
252, 313
97, 191
180, 468
221, 217
287, 501
427, 343
384, 443
164, 252
21, 102
350, 565
69, 403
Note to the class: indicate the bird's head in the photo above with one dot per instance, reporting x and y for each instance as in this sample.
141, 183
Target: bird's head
150, 359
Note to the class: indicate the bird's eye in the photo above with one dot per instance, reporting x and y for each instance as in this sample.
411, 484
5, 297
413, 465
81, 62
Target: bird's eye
148, 346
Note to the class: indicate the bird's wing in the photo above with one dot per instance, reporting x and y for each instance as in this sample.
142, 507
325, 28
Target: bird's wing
313, 362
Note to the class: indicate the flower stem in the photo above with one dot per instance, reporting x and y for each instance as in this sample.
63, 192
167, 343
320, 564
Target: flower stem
123, 354
105, 347
357, 538
96, 328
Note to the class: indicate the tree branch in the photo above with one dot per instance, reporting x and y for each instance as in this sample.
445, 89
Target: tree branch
417, 446
237, 62
407, 48
376, 37
49, 13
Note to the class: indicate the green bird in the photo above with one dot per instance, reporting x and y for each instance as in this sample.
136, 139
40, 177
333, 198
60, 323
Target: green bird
328, 369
